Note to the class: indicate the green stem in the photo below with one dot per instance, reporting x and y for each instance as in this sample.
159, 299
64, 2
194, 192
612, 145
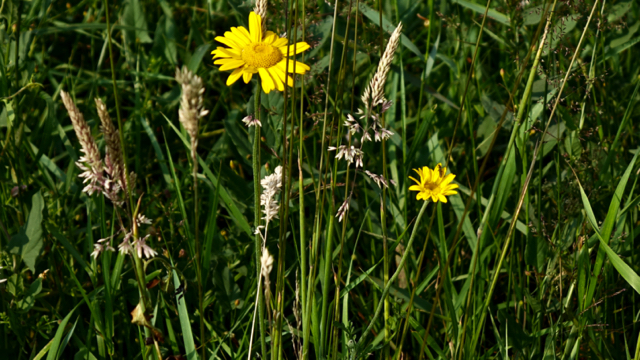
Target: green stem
256, 216
303, 237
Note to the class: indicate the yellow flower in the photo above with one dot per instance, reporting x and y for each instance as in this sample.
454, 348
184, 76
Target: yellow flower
434, 184
251, 52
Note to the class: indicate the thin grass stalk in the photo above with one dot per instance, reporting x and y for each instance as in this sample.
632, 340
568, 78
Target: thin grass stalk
320, 190
526, 185
385, 251
255, 310
304, 246
326, 313
140, 274
360, 346
276, 333
194, 166
353, 79
475, 186
339, 101
337, 114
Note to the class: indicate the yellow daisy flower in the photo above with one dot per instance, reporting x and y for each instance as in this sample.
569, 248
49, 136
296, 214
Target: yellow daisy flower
251, 52
434, 184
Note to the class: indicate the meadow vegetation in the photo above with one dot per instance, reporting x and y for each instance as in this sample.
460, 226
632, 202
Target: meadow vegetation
319, 179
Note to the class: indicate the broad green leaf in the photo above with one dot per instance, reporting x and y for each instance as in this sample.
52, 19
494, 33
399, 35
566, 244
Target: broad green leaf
29, 299
165, 40
625, 38
196, 57
618, 10
134, 17
28, 242
532, 15
493, 14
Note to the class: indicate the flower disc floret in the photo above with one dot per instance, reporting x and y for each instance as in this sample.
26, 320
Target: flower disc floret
256, 51
434, 185
261, 55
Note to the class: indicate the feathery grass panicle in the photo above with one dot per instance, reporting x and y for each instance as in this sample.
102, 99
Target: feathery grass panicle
114, 159
261, 9
378, 80
82, 130
90, 162
191, 104
271, 185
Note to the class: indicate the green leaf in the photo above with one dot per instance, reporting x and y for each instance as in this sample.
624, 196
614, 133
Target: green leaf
532, 15
29, 299
196, 57
57, 339
618, 10
627, 273
165, 39
185, 324
614, 206
496, 15
28, 242
134, 17
387, 26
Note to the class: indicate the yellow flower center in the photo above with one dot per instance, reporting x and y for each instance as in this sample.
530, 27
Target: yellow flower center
261, 55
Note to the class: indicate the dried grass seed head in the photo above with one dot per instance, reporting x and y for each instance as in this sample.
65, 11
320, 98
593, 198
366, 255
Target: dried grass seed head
261, 9
82, 130
114, 158
271, 184
191, 103
380, 77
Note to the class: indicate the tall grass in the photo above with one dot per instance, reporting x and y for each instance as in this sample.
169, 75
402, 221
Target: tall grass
530, 104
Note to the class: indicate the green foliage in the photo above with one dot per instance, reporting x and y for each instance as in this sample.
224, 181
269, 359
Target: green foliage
534, 258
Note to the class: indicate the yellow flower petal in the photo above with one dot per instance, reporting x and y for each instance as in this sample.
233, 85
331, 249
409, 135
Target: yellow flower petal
243, 35
278, 78
300, 68
270, 37
230, 64
447, 179
237, 39
246, 76
442, 198
280, 42
255, 27
298, 48
221, 52
235, 75
289, 81
267, 81
230, 43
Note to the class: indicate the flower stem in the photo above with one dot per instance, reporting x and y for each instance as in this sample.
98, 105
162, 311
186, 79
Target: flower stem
256, 216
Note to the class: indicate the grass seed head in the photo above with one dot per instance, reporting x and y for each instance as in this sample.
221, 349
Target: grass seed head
377, 83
